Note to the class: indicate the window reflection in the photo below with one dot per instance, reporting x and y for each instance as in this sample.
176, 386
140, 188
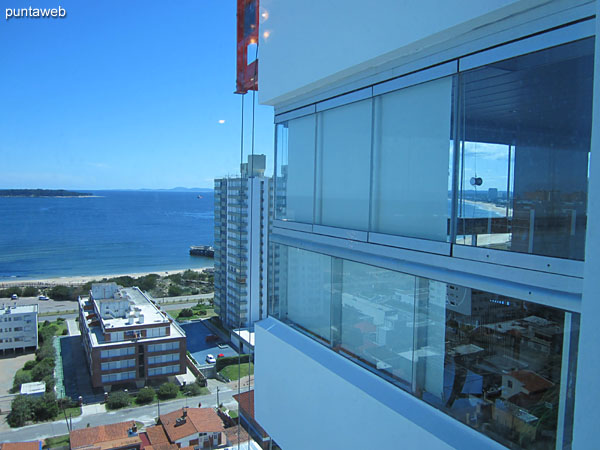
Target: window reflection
492, 362
526, 129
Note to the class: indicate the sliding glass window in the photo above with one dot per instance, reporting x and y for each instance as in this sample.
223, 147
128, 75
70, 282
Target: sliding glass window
525, 139
499, 364
295, 175
411, 160
343, 166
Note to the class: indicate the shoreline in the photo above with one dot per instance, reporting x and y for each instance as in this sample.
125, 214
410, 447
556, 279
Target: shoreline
71, 280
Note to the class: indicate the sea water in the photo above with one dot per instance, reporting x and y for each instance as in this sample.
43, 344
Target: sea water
112, 232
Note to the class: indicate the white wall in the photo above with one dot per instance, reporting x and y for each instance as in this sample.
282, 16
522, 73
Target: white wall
325, 401
315, 42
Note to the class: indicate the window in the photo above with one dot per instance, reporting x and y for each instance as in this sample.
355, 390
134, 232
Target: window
525, 143
502, 365
296, 169
112, 353
174, 345
410, 161
343, 162
121, 364
163, 358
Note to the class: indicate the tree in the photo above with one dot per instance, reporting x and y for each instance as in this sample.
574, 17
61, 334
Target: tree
45, 407
43, 369
147, 282
175, 291
21, 377
30, 291
167, 390
61, 292
29, 365
118, 400
186, 312
145, 395
21, 410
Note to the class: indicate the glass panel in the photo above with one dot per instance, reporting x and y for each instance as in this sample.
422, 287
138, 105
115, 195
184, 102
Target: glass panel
526, 130
501, 365
377, 319
411, 160
303, 285
343, 166
295, 169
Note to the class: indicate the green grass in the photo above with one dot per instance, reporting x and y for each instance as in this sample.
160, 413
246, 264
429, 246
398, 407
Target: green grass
233, 373
72, 412
233, 414
57, 441
210, 312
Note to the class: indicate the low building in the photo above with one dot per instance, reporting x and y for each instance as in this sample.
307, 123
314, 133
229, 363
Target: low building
18, 328
35, 388
127, 338
116, 436
246, 413
196, 427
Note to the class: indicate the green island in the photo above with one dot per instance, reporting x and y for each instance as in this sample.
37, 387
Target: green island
41, 193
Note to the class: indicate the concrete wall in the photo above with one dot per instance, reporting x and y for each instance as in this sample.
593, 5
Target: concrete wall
312, 43
325, 401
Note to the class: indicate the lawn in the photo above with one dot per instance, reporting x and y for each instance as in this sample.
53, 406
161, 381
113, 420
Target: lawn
72, 412
57, 441
233, 373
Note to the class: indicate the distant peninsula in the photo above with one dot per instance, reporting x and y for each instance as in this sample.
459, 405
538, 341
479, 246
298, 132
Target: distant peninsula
41, 193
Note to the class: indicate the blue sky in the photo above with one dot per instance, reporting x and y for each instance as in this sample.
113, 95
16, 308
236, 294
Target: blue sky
123, 94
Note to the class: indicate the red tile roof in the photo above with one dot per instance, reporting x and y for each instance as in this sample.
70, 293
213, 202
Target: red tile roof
232, 435
102, 434
166, 446
532, 382
33, 445
246, 402
156, 435
197, 420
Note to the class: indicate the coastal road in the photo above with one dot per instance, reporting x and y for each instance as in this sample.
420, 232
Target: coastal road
55, 307
144, 414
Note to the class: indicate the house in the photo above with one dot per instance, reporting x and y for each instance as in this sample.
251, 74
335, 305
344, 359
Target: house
31, 445
116, 436
246, 413
196, 427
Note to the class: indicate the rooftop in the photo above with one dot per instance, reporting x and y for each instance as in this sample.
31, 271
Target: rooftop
33, 445
188, 421
35, 387
104, 436
18, 309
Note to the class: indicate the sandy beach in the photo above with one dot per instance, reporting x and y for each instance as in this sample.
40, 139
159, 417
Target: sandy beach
488, 207
76, 280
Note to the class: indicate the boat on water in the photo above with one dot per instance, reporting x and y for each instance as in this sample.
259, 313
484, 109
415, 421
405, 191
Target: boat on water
202, 250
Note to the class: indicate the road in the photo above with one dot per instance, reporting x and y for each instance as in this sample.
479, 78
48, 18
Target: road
59, 308
144, 414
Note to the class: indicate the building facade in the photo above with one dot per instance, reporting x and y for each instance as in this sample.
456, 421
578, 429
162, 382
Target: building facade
18, 328
433, 275
243, 212
127, 338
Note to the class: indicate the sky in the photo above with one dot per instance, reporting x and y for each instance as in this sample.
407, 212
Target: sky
123, 95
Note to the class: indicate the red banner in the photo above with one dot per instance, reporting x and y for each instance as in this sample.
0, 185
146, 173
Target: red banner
247, 34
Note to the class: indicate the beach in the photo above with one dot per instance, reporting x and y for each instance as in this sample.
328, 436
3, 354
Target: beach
82, 279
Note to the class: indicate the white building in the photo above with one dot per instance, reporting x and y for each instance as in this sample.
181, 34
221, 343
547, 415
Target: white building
243, 211
410, 307
18, 328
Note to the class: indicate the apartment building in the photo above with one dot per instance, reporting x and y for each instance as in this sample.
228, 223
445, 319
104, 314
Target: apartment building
435, 243
18, 328
243, 212
127, 338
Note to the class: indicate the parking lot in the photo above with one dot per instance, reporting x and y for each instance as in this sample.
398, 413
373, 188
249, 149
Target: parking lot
44, 306
196, 333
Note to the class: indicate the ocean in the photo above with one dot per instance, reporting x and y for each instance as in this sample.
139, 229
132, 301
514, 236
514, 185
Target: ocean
113, 232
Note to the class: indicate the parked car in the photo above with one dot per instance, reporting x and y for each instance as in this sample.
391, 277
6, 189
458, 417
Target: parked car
210, 359
43, 297
14, 297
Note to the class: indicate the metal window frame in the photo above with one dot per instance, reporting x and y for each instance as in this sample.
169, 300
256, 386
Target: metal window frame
542, 41
550, 289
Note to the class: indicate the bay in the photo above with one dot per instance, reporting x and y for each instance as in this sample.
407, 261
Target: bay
112, 232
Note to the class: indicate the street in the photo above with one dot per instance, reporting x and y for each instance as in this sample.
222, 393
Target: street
144, 414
